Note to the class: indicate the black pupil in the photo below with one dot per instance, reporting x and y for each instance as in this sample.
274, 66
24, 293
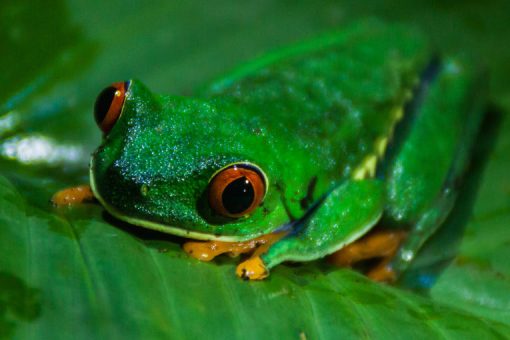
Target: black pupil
238, 196
103, 102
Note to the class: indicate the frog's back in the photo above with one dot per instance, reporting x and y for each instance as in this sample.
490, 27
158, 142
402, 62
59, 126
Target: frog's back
328, 105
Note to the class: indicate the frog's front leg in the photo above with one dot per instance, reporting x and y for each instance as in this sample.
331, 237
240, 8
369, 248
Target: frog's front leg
344, 215
74, 195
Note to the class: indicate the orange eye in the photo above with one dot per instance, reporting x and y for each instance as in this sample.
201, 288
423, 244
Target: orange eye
237, 190
109, 104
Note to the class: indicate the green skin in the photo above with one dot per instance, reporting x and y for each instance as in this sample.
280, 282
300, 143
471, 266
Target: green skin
313, 118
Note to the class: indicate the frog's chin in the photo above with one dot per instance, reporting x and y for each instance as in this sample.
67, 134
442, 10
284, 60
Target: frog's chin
164, 228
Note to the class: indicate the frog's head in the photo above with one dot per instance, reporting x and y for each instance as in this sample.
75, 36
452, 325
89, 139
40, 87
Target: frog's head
185, 166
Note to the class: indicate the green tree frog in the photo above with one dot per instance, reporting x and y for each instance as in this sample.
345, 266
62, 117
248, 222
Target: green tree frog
352, 143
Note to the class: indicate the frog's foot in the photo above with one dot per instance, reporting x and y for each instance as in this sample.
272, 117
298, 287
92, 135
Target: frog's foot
206, 251
74, 195
383, 272
379, 244
252, 269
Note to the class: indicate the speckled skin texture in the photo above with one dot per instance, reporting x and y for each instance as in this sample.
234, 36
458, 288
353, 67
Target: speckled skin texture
310, 113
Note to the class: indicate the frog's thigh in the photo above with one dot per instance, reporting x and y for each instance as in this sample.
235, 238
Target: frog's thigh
346, 214
422, 178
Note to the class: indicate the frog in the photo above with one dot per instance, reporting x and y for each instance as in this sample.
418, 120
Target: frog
351, 145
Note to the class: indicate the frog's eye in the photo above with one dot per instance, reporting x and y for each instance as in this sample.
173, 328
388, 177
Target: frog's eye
109, 104
237, 190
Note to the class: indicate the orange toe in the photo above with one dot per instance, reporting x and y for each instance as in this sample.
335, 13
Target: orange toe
382, 273
252, 269
203, 251
75, 195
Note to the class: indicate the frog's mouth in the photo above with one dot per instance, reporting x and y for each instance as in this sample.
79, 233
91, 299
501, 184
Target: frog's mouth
164, 228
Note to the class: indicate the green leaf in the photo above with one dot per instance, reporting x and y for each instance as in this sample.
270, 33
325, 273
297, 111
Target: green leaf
77, 272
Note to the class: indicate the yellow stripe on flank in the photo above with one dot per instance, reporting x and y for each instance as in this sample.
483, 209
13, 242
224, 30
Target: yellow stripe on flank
380, 146
369, 164
366, 169
397, 114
